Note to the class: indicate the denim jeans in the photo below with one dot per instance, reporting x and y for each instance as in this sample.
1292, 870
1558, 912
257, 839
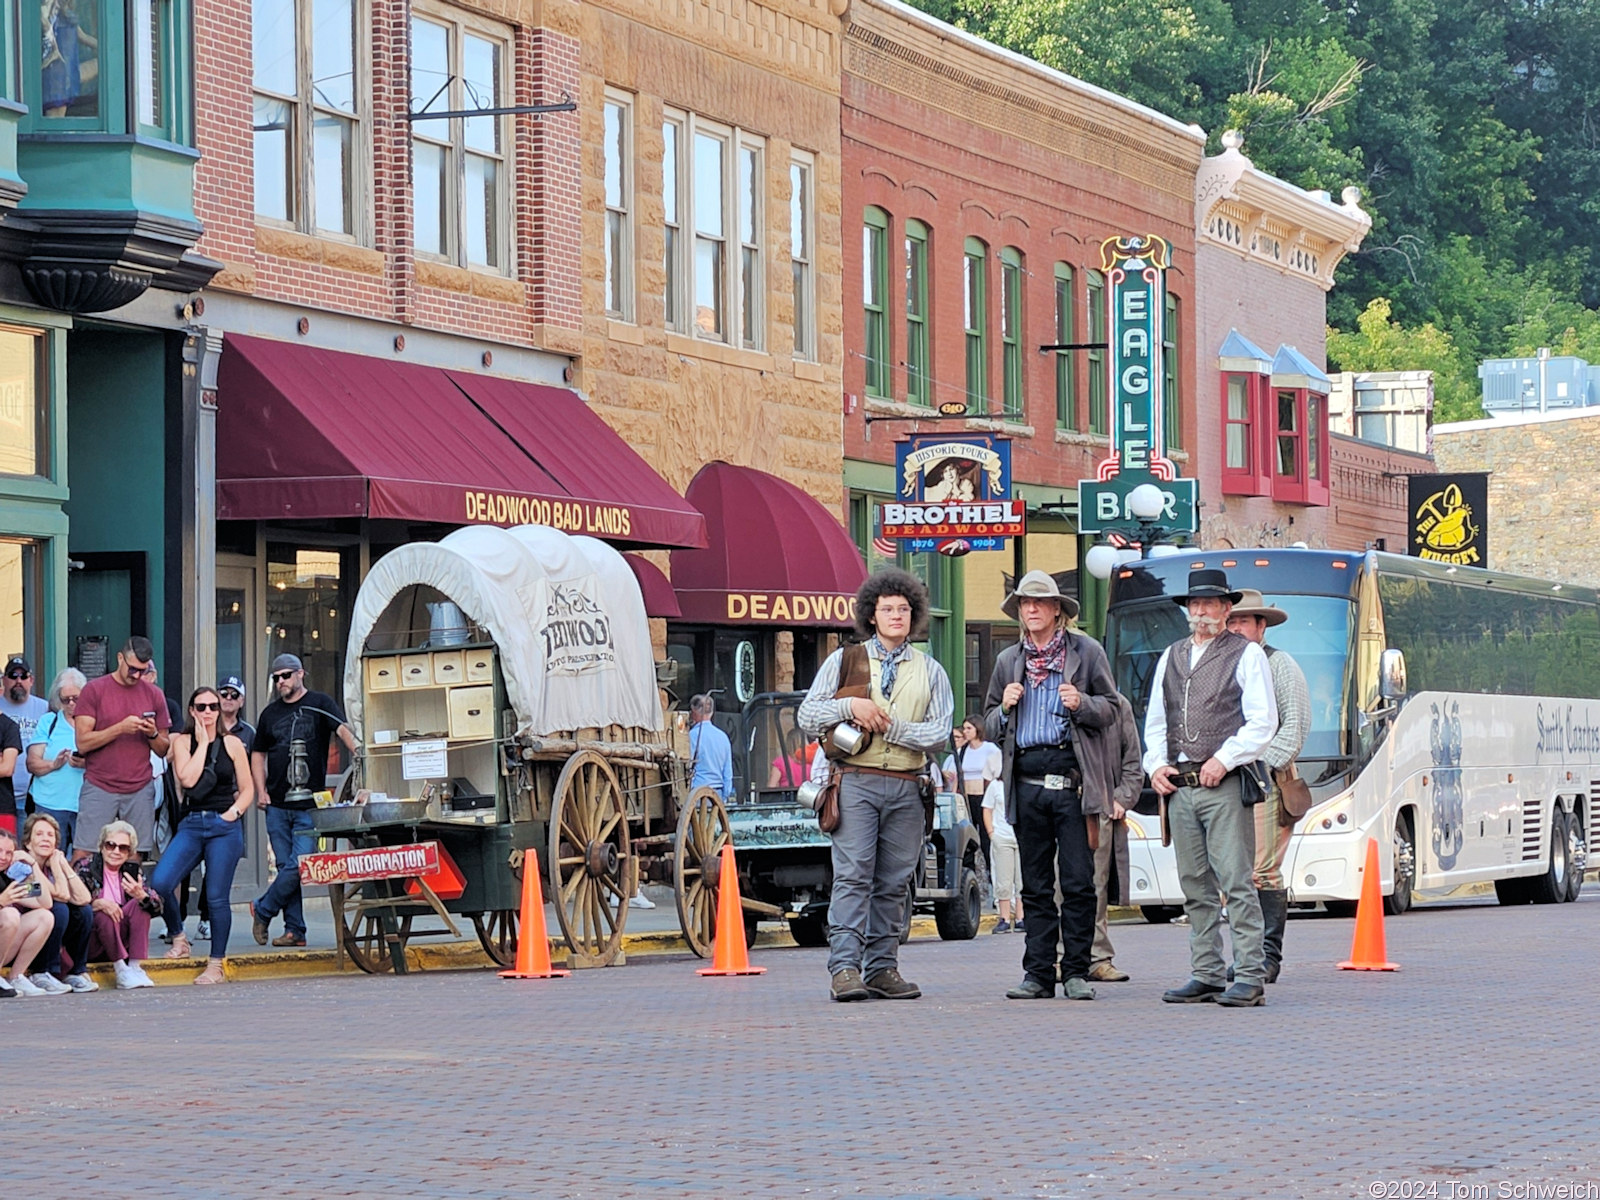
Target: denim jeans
201, 836
292, 834
73, 924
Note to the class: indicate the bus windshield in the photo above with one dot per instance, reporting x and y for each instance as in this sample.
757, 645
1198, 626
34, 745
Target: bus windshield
1319, 634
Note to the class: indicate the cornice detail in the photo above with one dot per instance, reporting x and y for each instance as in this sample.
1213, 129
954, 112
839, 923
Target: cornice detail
1264, 219
796, 38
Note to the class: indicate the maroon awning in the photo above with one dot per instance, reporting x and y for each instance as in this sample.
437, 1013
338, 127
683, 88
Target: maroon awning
776, 556
308, 433
659, 598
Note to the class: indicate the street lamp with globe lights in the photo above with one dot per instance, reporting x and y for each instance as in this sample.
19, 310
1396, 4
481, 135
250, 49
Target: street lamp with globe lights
1146, 503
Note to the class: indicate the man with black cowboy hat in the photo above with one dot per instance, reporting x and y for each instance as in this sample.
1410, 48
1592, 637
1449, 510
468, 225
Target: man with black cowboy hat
1211, 711
1251, 618
901, 699
1049, 702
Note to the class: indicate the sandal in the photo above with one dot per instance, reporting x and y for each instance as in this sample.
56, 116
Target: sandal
212, 974
180, 947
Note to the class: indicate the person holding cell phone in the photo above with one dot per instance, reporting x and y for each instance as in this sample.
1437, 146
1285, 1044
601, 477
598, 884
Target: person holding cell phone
123, 906
69, 905
212, 772
54, 763
25, 917
121, 720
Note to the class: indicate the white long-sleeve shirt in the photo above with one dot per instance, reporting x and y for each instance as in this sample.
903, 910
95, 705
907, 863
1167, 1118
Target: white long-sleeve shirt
1254, 677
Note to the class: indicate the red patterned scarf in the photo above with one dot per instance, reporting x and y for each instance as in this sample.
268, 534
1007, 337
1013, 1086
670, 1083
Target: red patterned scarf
1041, 660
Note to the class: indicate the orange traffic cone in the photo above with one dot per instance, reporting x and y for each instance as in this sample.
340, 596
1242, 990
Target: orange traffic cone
533, 943
730, 956
1367, 951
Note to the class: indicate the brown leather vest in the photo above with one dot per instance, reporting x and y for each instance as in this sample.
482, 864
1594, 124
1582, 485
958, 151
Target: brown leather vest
1204, 703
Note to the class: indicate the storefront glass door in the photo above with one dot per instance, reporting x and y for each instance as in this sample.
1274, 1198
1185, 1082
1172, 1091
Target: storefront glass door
20, 585
237, 655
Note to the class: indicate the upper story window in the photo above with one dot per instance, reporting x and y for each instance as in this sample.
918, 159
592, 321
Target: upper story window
802, 256
460, 169
1098, 383
1011, 275
308, 124
975, 321
1240, 466
714, 186
618, 151
1171, 377
24, 406
106, 66
919, 388
1066, 365
875, 298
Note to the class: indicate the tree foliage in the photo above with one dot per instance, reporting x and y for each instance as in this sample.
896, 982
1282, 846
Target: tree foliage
1471, 126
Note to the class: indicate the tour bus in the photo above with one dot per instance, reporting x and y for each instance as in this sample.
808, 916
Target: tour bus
1455, 719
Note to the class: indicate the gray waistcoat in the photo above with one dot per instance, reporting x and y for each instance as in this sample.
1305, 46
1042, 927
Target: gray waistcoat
1205, 705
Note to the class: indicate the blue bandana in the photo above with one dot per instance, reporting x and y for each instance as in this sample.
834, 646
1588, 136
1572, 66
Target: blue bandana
891, 662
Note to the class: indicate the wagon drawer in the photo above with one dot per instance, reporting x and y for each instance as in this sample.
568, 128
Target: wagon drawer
447, 667
472, 712
480, 666
383, 674
415, 671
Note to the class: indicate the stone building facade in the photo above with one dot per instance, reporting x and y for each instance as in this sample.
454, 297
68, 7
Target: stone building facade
1542, 516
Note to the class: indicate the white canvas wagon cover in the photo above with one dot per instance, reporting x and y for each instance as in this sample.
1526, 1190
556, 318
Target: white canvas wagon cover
565, 614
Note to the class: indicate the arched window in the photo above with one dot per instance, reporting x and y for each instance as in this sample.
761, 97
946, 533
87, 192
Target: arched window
875, 298
1011, 276
918, 383
975, 320
1066, 364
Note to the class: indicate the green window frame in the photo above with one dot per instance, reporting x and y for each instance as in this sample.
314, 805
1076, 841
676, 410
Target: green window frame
1171, 380
1013, 399
1095, 287
874, 299
10, 54
975, 321
918, 384
1066, 365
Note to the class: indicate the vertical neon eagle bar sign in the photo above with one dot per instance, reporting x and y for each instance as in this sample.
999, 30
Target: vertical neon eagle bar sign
1135, 269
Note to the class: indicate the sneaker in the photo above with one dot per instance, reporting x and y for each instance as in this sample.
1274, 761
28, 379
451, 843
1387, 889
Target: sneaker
141, 979
289, 939
79, 982
7, 992
23, 986
203, 933
1078, 989
1107, 972
127, 975
259, 928
1002, 926
641, 901
48, 984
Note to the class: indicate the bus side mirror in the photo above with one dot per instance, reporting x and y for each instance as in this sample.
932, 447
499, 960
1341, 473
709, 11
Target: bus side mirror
1392, 675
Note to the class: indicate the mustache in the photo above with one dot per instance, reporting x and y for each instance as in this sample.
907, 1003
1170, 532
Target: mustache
1211, 626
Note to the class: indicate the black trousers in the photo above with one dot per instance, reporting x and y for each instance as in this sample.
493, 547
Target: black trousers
1051, 833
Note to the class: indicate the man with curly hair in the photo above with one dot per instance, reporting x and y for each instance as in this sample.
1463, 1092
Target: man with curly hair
906, 712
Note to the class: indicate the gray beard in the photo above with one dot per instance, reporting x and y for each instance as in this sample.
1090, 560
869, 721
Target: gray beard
1205, 626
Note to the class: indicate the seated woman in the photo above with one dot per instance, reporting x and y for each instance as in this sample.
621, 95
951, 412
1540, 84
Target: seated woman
122, 906
25, 918
69, 907
212, 773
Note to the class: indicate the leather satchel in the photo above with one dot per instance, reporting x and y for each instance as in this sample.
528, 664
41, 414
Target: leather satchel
1253, 783
828, 803
855, 683
1294, 795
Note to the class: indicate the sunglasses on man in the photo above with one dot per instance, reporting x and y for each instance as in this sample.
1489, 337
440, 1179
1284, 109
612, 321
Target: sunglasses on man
230, 694
280, 676
19, 675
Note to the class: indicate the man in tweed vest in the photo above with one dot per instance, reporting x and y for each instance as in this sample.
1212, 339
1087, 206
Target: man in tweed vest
1251, 618
1211, 711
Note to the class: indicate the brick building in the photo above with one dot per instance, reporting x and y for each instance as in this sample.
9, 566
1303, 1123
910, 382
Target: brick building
989, 181
1271, 472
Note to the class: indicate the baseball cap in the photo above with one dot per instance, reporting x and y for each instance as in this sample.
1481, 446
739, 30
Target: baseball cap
15, 662
287, 662
231, 681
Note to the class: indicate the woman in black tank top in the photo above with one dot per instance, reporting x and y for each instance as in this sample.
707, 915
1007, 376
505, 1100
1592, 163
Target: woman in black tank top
212, 774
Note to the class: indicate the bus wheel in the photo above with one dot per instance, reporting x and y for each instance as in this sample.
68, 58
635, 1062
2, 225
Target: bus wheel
1551, 887
1577, 855
1512, 891
1405, 867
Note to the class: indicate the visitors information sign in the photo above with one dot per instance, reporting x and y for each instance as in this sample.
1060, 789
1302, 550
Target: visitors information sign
1135, 269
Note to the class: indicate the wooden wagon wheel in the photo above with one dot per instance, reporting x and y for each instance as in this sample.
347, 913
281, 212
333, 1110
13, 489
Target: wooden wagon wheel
497, 934
703, 829
361, 929
589, 859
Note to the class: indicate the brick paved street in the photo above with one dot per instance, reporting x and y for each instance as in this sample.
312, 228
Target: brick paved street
1464, 1071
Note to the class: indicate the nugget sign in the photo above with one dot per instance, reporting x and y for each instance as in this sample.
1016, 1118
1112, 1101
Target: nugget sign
1001, 518
357, 866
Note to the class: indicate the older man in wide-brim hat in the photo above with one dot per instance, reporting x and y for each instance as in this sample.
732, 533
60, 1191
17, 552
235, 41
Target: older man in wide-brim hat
1251, 618
1049, 703
1212, 711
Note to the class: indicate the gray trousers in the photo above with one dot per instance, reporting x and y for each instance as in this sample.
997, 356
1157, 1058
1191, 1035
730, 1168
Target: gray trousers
1101, 951
1214, 838
875, 853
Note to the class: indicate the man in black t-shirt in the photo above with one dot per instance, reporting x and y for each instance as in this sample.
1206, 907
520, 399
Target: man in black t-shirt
312, 718
10, 749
